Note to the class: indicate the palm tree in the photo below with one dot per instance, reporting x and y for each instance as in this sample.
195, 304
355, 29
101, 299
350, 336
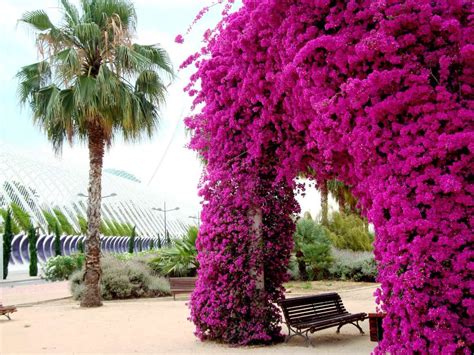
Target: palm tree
93, 84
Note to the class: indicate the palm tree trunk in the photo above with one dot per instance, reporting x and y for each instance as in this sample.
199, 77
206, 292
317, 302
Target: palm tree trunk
324, 204
91, 297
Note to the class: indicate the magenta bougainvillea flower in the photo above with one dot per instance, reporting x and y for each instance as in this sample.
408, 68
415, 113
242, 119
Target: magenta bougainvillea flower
379, 94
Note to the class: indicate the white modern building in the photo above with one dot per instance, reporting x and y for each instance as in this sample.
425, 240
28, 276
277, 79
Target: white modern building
38, 186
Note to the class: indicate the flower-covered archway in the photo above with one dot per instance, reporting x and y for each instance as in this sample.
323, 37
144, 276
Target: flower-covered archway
376, 93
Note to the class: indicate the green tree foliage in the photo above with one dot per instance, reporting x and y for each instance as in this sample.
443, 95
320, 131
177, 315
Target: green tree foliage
14, 227
32, 238
7, 242
21, 217
52, 221
82, 224
131, 242
104, 229
312, 248
349, 231
111, 227
66, 227
179, 259
80, 246
57, 241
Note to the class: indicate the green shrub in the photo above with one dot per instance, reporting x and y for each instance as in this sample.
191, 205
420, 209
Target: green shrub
349, 231
62, 267
123, 279
356, 266
179, 259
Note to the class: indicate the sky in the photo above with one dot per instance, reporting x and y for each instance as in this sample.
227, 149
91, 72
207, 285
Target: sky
162, 162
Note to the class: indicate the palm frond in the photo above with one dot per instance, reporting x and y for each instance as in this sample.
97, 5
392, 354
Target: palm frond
32, 78
38, 19
72, 15
157, 56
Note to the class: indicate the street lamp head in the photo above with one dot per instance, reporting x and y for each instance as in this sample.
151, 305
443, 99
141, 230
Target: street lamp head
80, 194
157, 209
113, 194
177, 208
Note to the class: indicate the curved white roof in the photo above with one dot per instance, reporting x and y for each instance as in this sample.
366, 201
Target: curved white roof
37, 186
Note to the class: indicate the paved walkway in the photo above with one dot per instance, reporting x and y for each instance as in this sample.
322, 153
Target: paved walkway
20, 293
154, 326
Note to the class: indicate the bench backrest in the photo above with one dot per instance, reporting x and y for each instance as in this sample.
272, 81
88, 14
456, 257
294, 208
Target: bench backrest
309, 308
183, 283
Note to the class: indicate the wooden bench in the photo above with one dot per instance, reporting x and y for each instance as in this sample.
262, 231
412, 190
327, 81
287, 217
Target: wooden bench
309, 314
7, 310
182, 285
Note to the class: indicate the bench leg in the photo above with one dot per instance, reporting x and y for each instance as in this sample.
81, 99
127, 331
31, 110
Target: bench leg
7, 315
304, 335
354, 324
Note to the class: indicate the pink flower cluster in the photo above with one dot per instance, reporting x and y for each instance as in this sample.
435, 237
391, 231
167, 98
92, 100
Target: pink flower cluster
379, 94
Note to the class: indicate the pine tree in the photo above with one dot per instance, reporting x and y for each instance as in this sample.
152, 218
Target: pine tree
7, 242
131, 242
57, 240
32, 238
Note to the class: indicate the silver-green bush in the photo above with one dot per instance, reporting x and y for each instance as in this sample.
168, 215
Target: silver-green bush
123, 279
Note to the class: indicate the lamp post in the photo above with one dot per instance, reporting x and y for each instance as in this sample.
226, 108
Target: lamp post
164, 210
196, 218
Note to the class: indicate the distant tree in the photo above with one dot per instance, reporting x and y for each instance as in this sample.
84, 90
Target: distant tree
7, 242
32, 238
152, 244
140, 245
51, 220
57, 241
14, 226
312, 248
80, 246
21, 216
66, 227
158, 241
131, 242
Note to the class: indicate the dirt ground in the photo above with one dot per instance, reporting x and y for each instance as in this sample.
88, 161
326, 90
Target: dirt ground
157, 326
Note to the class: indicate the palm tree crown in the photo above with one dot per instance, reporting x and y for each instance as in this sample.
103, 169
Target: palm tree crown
92, 74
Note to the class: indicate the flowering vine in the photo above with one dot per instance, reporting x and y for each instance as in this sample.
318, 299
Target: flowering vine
379, 94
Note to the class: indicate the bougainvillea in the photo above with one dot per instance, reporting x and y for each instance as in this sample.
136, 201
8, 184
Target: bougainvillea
379, 94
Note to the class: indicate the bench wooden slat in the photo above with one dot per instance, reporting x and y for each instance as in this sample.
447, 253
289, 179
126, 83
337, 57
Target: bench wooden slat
182, 285
316, 312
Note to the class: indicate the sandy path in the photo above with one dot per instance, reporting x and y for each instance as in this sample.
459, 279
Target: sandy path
154, 326
26, 294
